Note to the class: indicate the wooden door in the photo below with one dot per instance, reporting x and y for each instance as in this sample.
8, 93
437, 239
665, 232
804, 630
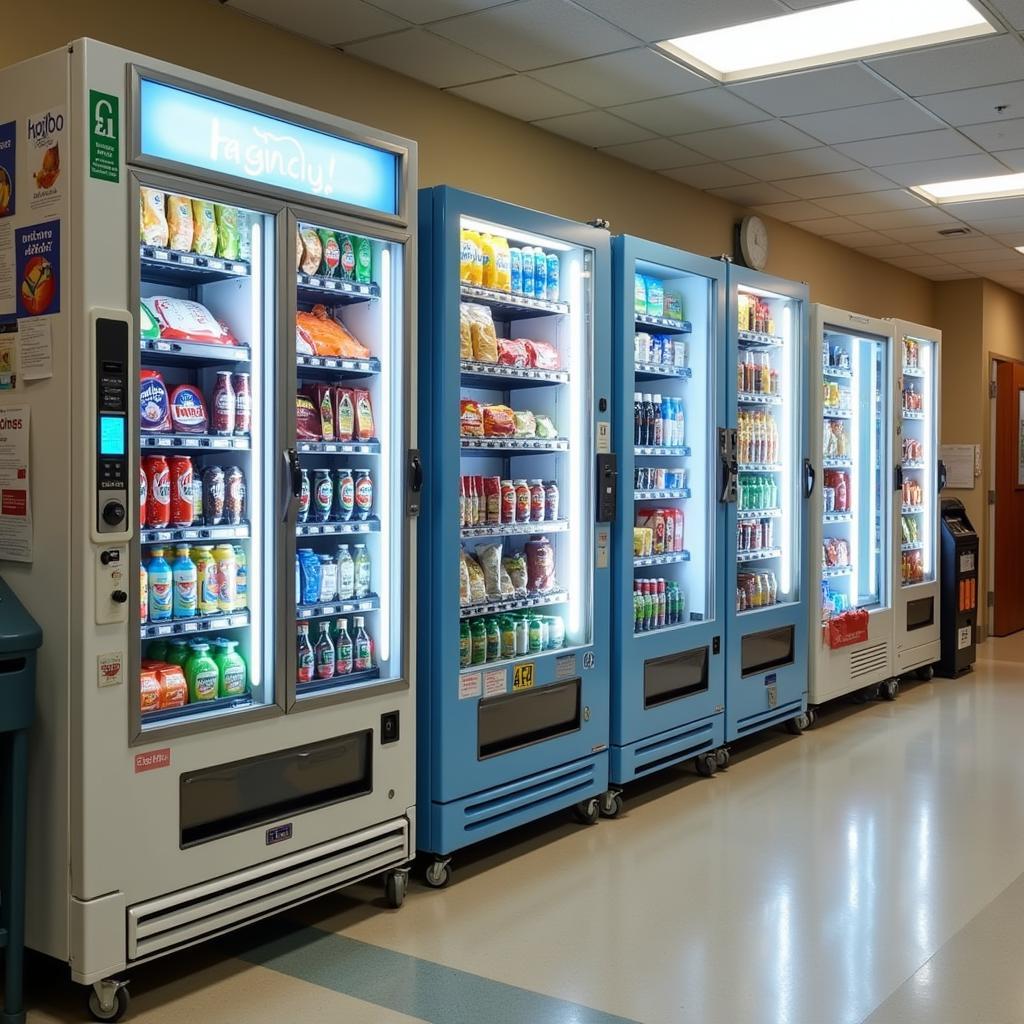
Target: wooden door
1008, 582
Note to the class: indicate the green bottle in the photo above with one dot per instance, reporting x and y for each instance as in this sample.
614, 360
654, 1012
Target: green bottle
465, 645
493, 640
157, 650
348, 256
231, 669
178, 652
364, 260
478, 633
508, 636
201, 674
536, 636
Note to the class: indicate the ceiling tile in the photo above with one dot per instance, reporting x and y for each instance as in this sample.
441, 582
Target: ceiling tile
848, 85
904, 218
959, 244
521, 97
757, 193
338, 22
992, 228
997, 135
1013, 158
946, 273
1010, 238
918, 262
871, 202
796, 165
861, 239
427, 57
594, 128
656, 154
534, 33
873, 121
988, 210
906, 148
918, 233
996, 266
887, 251
709, 176
1013, 10
976, 106
950, 169
844, 183
973, 260
655, 20
421, 11
956, 66
750, 140
794, 211
690, 112
625, 77
828, 226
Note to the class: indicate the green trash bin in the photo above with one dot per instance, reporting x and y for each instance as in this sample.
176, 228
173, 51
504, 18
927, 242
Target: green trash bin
20, 638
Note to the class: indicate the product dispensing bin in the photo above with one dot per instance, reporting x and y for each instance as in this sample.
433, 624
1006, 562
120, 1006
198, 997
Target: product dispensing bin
959, 602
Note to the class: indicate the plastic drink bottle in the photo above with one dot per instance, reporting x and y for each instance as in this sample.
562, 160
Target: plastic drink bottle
502, 267
178, 652
528, 271
487, 248
241, 579
305, 656
342, 649
362, 659
161, 587
659, 423
143, 594
478, 635
466, 645
515, 270
493, 640
508, 636
467, 256
323, 654
227, 577
231, 667
346, 573
638, 418
206, 578
364, 260
184, 579
554, 269
201, 674
361, 569
540, 274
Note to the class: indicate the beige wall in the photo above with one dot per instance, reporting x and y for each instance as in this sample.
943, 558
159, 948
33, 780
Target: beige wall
464, 144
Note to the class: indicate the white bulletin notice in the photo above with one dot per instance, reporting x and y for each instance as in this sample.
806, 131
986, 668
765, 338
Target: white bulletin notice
962, 462
15, 485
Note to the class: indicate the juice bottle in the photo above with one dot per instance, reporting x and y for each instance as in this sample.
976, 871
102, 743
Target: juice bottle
184, 578
364, 260
143, 593
201, 674
528, 270
231, 666
206, 579
508, 636
161, 587
346, 573
178, 652
241, 579
493, 640
342, 649
502, 265
323, 653
488, 269
540, 274
227, 577
515, 269
361, 569
362, 646
466, 645
305, 658
478, 635
467, 256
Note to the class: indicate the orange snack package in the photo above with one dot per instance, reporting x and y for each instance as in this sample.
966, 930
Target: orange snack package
328, 337
499, 421
149, 690
364, 415
173, 688
471, 423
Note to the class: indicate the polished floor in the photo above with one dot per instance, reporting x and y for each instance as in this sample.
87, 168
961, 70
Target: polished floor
871, 871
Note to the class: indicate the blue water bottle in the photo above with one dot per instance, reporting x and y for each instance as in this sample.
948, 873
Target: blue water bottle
553, 270
515, 266
540, 274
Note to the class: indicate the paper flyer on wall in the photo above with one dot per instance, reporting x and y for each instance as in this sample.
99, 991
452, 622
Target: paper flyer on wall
15, 485
8, 354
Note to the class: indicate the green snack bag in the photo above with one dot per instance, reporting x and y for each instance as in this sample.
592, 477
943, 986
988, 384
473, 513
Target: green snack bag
227, 231
201, 674
149, 329
330, 255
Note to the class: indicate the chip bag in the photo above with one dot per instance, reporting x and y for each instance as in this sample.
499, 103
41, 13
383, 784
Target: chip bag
526, 423
499, 421
344, 414
179, 223
515, 566
204, 228
227, 231
471, 422
513, 353
307, 419
153, 217
477, 586
497, 582
185, 320
149, 328
465, 332
543, 355
545, 428
463, 580
312, 250
485, 340
364, 414
540, 565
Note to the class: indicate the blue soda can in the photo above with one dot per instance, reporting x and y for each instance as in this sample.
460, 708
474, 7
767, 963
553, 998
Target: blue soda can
540, 274
553, 271
528, 268
515, 262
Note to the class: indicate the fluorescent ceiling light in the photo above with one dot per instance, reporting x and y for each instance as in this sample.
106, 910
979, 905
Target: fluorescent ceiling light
1019, 248
999, 186
826, 35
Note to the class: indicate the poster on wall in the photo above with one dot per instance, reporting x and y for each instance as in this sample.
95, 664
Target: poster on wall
8, 354
8, 152
37, 256
15, 485
45, 143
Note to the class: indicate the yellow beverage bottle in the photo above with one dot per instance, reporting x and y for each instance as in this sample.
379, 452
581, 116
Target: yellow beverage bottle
227, 577
502, 265
206, 576
467, 256
487, 247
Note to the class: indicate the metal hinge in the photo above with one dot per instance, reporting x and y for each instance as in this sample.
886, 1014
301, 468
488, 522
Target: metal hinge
991, 389
991, 497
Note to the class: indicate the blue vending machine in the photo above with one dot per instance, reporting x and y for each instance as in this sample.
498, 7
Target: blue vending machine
767, 480
668, 625
514, 545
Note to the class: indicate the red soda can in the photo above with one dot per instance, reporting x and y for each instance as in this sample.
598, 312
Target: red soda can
537, 501
344, 494
363, 493
143, 488
158, 500
182, 507
508, 501
222, 411
522, 501
234, 495
243, 403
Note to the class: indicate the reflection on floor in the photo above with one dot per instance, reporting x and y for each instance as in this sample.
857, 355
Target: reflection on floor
870, 870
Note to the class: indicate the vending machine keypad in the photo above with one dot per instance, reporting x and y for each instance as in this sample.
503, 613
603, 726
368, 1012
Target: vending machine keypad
112, 391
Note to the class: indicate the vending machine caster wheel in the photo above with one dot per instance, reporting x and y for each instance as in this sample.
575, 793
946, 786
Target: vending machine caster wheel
438, 874
396, 886
812, 717
722, 758
108, 1000
800, 724
706, 765
588, 811
611, 804
889, 690
926, 672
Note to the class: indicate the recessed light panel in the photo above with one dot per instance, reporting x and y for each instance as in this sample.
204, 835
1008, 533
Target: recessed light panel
826, 35
999, 186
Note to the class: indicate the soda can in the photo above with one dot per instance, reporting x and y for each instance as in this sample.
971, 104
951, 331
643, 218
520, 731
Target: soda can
363, 493
182, 509
234, 495
322, 495
143, 488
304, 495
344, 494
158, 501
213, 495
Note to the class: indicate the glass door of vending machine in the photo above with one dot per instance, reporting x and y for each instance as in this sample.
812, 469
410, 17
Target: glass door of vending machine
347, 463
768, 480
207, 543
668, 672
851, 446
919, 480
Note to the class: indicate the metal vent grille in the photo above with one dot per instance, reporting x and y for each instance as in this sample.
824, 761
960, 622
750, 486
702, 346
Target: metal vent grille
868, 661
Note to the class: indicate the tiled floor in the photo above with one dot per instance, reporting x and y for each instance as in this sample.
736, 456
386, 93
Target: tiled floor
870, 870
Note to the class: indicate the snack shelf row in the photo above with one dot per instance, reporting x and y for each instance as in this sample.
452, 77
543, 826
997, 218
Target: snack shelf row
669, 558
471, 611
197, 624
515, 529
198, 532
512, 307
333, 682
758, 513
338, 527
348, 606
240, 443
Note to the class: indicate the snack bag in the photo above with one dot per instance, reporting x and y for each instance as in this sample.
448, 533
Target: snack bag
173, 688
477, 587
312, 250
153, 217
540, 565
465, 332
154, 404
464, 594
307, 422
545, 428
188, 410
299, 248
513, 353
328, 337
543, 355
515, 566
330, 252
227, 231
497, 582
179, 222
485, 340
185, 320
526, 423
344, 414
499, 421
471, 423
321, 394
149, 690
364, 414
204, 228
149, 328
303, 342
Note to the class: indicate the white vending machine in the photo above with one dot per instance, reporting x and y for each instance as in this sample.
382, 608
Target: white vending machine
211, 317
851, 532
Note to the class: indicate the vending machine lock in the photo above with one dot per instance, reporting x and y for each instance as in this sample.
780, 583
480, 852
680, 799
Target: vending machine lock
412, 497
727, 457
607, 487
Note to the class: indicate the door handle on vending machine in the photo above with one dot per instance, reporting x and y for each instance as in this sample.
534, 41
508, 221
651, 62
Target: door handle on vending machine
898, 477
293, 481
941, 477
412, 498
809, 477
730, 468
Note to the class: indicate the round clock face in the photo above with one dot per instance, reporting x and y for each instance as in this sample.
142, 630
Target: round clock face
754, 242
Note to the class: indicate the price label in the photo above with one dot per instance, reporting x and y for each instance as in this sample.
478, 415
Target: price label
523, 676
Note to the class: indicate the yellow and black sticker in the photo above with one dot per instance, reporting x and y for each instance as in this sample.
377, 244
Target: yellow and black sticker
522, 676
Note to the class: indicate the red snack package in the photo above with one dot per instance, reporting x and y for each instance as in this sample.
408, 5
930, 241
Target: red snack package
149, 690
344, 414
513, 353
499, 421
173, 688
543, 355
322, 396
540, 565
471, 422
185, 320
364, 414
307, 422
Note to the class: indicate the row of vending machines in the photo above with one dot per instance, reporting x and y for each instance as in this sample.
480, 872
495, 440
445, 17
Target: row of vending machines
369, 520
